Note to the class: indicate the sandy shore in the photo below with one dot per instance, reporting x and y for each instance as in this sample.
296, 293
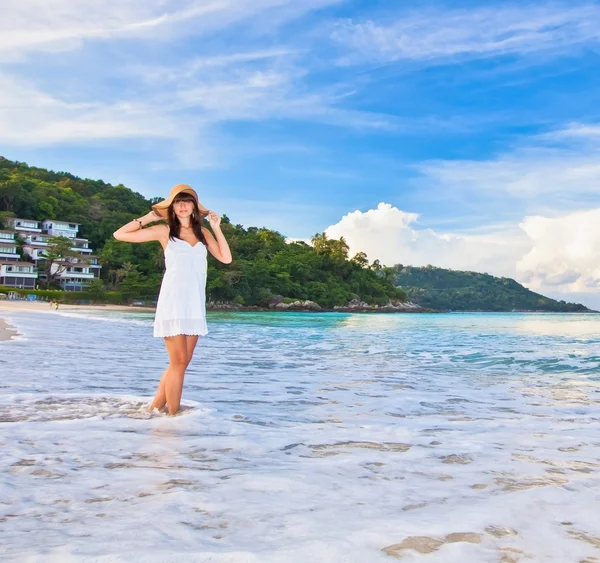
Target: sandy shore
7, 332
43, 307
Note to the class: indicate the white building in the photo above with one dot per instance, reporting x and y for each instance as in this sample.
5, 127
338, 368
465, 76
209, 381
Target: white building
94, 264
60, 228
35, 238
18, 274
74, 275
24, 225
75, 272
8, 246
35, 244
81, 245
35, 251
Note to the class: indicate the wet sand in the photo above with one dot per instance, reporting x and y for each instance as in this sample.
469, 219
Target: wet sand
7, 332
44, 307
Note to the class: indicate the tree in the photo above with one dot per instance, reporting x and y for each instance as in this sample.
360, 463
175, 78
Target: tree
59, 256
132, 284
96, 290
360, 258
319, 243
4, 217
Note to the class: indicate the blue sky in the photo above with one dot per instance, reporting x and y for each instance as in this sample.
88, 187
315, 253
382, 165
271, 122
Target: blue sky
476, 123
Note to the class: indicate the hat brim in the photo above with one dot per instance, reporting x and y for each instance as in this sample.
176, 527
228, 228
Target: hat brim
162, 207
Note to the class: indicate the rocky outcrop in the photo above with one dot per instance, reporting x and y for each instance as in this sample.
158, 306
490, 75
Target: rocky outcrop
223, 306
296, 306
357, 306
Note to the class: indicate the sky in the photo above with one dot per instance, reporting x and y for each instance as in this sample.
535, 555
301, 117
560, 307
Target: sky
461, 134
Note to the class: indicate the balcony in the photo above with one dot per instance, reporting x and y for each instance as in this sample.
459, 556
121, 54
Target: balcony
8, 252
82, 275
9, 274
26, 226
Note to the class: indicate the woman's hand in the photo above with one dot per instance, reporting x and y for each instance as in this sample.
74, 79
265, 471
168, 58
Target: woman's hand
214, 220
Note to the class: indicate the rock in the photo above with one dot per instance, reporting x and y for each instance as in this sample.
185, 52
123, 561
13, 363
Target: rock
392, 306
468, 537
460, 459
223, 305
297, 306
421, 544
277, 299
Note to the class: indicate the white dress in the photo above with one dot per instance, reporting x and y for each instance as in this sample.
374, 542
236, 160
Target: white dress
181, 307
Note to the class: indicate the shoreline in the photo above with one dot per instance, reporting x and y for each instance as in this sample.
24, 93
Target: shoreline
7, 332
44, 307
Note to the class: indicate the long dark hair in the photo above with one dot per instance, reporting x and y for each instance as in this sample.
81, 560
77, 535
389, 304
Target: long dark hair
195, 219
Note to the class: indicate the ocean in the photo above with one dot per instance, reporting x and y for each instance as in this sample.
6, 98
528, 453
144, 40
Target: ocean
325, 438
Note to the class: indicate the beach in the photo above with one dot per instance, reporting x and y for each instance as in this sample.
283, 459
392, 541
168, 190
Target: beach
39, 307
322, 437
6, 331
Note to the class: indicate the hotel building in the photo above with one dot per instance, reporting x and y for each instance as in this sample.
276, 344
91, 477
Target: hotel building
75, 271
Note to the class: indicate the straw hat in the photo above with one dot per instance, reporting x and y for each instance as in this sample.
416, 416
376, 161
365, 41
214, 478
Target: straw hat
162, 207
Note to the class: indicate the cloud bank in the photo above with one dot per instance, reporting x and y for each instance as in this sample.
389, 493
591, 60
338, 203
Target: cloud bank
557, 256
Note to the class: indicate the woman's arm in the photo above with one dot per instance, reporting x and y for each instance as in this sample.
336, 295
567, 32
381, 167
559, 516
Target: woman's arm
217, 244
134, 230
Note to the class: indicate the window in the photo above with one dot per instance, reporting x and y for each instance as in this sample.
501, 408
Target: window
7, 236
8, 250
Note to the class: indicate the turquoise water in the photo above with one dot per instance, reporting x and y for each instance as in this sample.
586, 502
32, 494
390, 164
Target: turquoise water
305, 437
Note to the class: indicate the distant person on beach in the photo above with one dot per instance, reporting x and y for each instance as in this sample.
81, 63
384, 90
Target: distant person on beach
181, 310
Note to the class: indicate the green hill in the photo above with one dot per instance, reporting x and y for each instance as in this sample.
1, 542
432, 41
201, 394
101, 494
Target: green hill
452, 290
265, 266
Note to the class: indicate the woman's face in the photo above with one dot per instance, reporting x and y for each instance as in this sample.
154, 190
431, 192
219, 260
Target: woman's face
183, 207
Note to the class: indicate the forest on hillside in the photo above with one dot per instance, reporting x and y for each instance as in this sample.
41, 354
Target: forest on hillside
453, 290
265, 266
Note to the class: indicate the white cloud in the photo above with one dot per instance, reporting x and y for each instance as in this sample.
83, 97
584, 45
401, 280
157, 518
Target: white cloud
55, 25
437, 33
546, 173
192, 67
28, 116
554, 256
182, 102
390, 235
184, 111
565, 252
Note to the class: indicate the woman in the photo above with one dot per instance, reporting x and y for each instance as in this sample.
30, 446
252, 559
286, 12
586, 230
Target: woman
180, 313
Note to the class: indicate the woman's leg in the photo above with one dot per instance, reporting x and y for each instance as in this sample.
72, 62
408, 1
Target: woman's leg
190, 342
180, 349
177, 350
160, 399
